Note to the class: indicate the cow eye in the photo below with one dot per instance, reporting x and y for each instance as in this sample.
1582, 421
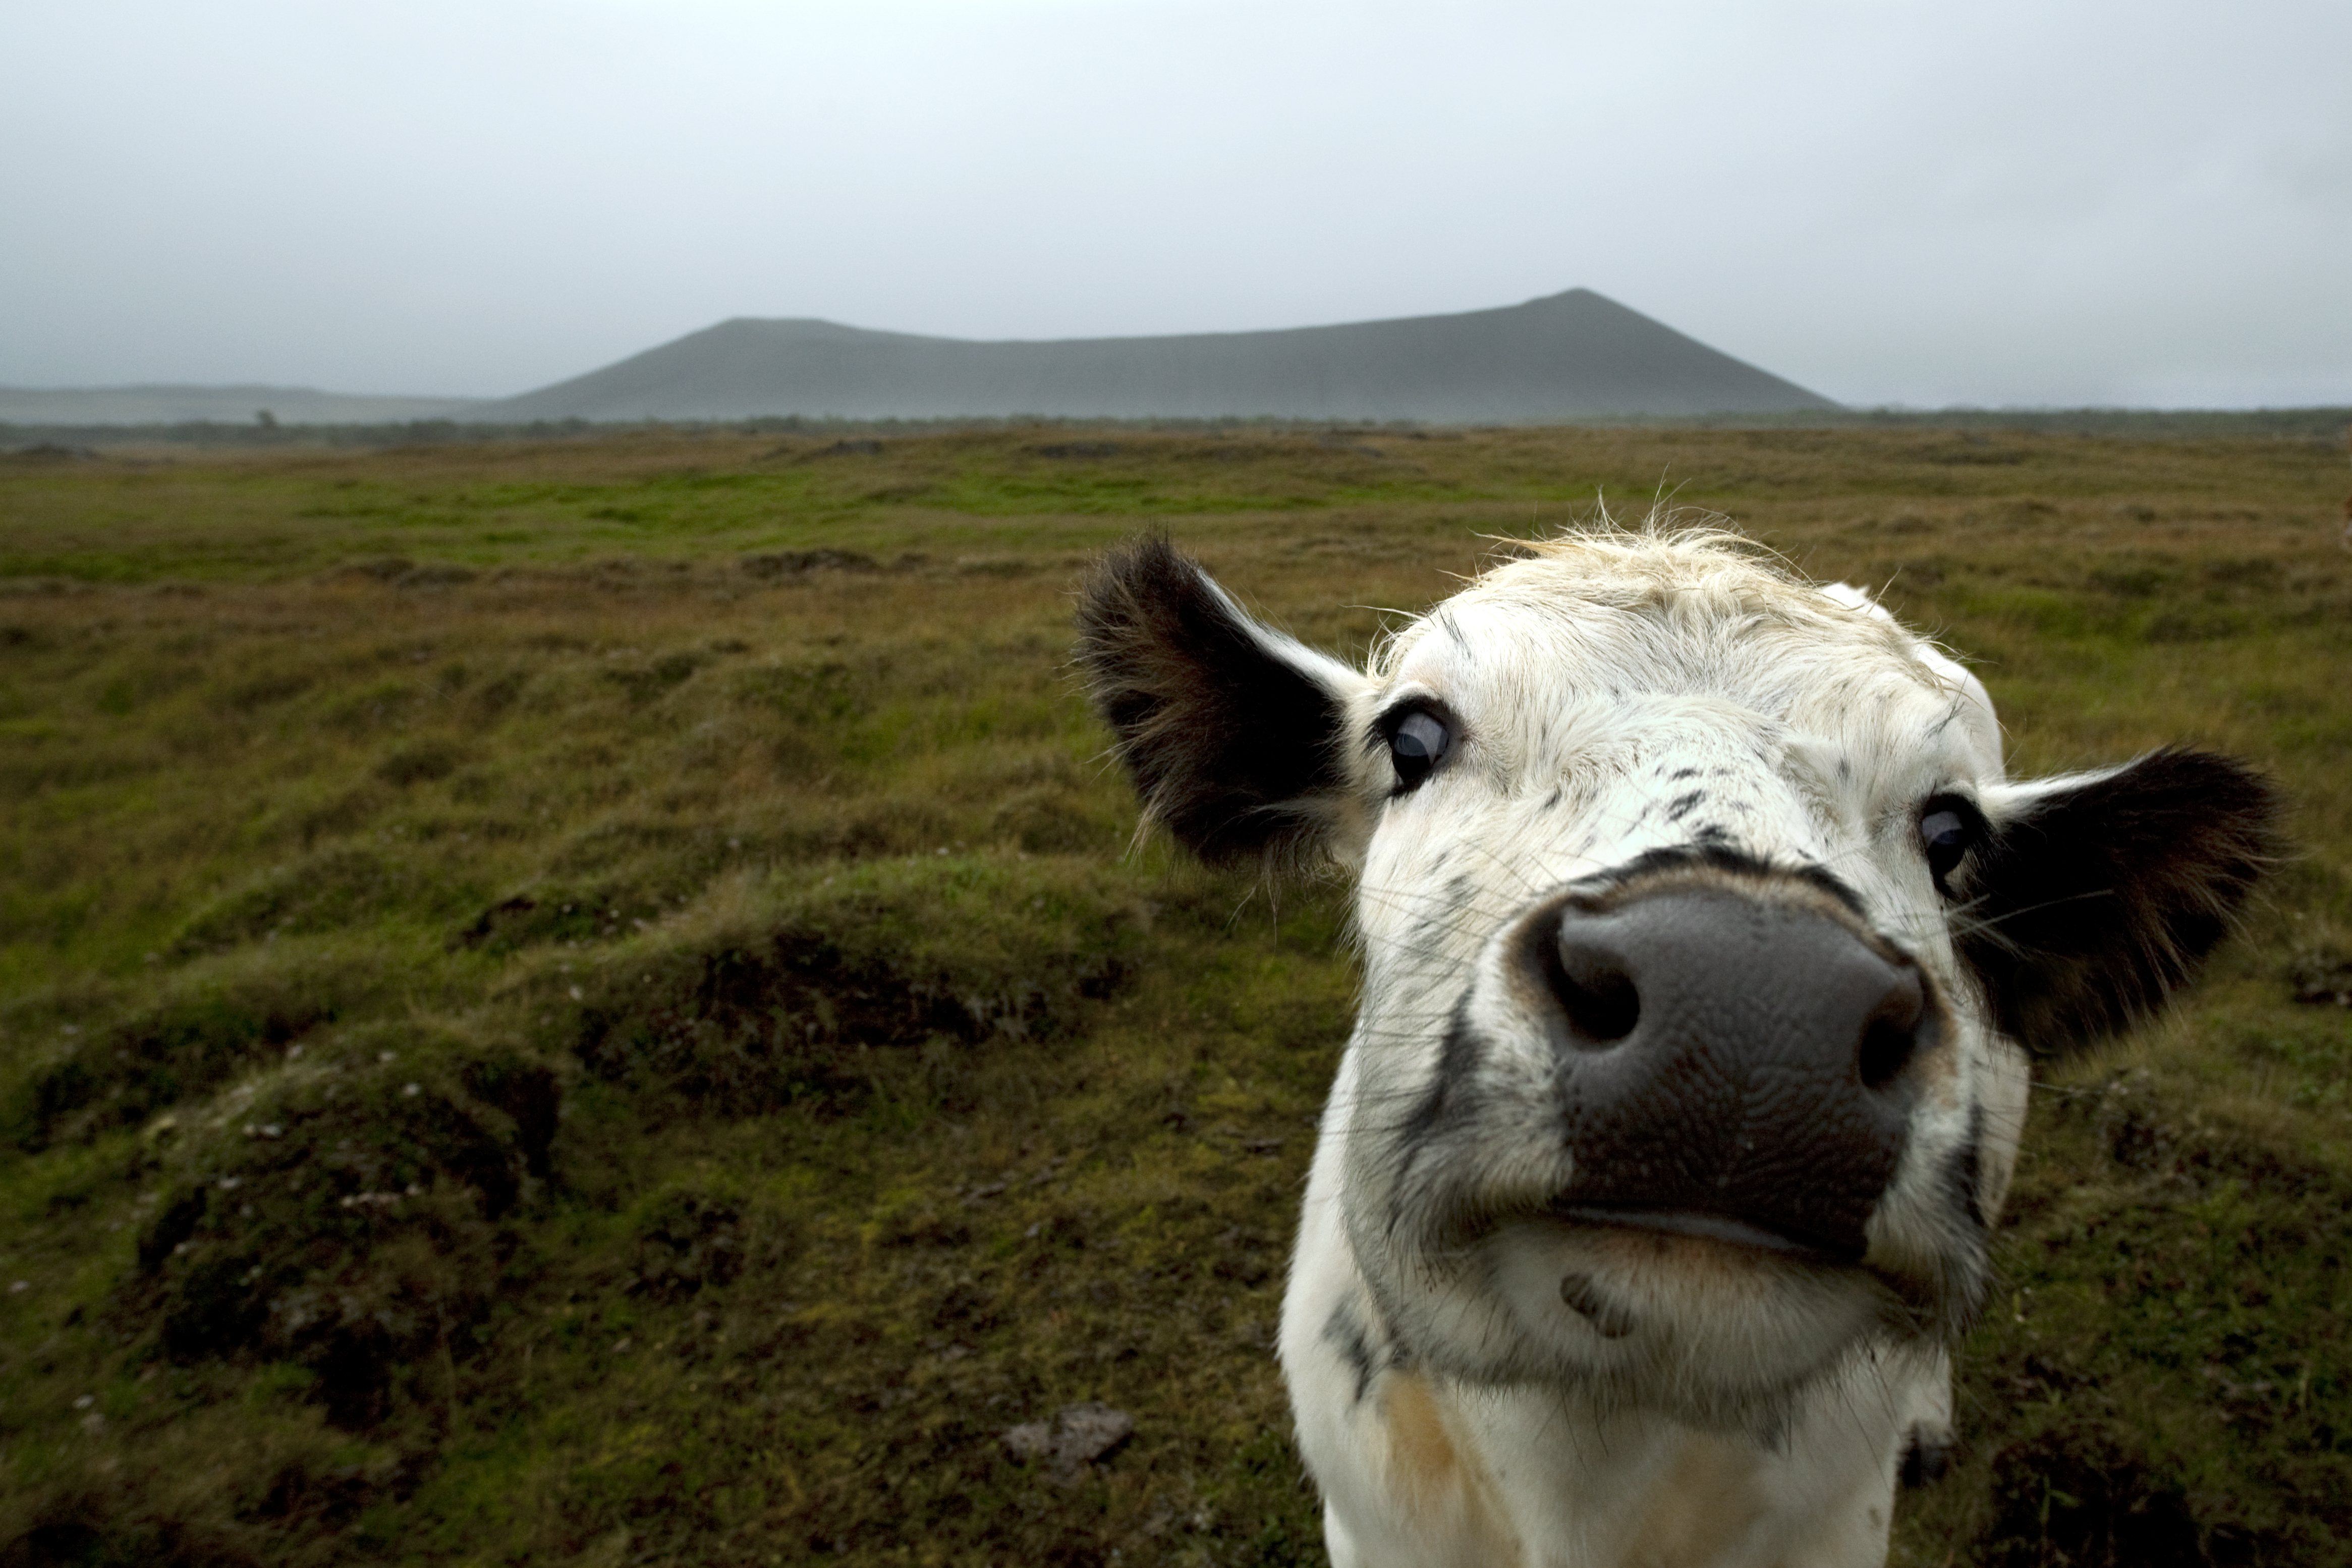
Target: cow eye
1416, 745
1948, 829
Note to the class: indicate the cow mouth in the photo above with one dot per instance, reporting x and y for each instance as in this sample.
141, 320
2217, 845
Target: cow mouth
1727, 1230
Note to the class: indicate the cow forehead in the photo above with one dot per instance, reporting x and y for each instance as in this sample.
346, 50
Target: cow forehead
1565, 651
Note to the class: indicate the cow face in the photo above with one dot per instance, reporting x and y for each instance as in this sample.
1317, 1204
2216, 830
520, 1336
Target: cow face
1705, 947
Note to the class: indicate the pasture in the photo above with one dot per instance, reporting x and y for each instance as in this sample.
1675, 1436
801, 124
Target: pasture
590, 999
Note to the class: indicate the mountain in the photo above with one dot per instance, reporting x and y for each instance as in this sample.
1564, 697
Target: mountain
219, 404
1567, 356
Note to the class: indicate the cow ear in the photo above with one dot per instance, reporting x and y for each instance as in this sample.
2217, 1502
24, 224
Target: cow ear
1232, 733
2090, 898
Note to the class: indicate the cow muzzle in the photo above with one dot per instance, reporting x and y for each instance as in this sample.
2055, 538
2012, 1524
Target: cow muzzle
1737, 1058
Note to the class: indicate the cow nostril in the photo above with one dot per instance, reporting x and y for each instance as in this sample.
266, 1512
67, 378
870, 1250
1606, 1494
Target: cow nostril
1885, 1052
1601, 1003
1891, 1036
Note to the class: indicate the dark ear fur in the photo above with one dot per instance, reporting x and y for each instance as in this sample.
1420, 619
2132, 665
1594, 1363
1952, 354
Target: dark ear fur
1230, 731
2094, 899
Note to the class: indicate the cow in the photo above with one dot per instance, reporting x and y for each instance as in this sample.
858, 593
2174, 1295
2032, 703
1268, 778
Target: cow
1707, 953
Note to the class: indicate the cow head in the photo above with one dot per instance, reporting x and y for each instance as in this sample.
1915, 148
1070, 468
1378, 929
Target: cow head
1706, 947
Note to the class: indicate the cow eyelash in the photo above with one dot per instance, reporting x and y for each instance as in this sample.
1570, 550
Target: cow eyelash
1419, 736
1949, 827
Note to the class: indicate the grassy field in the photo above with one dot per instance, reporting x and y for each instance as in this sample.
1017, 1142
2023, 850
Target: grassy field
589, 1000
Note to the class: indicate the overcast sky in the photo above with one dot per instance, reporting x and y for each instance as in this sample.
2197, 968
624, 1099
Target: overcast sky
2038, 202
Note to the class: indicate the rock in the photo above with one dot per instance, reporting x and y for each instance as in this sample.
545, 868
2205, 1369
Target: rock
1092, 1430
1030, 1440
2321, 979
1077, 1437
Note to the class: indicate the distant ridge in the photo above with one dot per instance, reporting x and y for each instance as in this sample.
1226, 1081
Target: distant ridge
1568, 356
221, 405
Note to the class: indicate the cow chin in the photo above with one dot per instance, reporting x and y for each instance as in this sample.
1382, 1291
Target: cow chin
1711, 1332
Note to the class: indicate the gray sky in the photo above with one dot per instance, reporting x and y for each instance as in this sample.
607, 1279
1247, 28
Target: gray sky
1998, 203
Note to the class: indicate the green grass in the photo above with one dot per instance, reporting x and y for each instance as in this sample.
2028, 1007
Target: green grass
536, 1024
